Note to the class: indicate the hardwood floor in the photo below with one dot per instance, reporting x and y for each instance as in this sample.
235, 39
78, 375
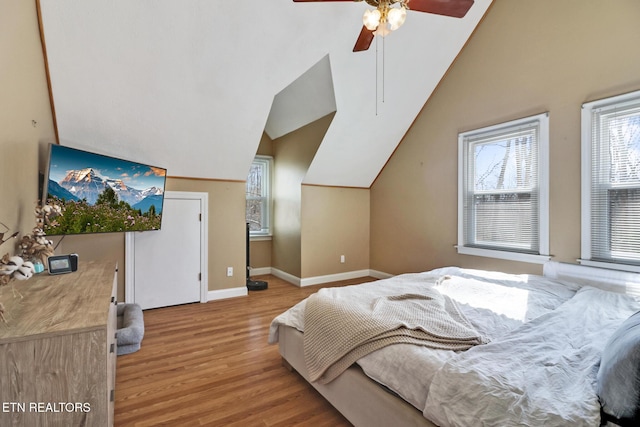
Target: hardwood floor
210, 364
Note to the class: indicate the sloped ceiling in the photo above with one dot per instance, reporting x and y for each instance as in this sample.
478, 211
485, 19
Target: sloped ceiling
308, 98
190, 85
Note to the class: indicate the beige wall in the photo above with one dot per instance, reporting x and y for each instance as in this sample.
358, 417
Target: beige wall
91, 247
293, 154
314, 225
26, 123
526, 57
265, 148
335, 222
260, 253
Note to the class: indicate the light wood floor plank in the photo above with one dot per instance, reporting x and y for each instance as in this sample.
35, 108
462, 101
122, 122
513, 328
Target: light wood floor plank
210, 364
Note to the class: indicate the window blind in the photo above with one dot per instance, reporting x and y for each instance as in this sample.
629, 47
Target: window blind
615, 183
257, 196
501, 194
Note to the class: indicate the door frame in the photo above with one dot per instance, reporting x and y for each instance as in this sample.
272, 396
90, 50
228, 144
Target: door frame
130, 245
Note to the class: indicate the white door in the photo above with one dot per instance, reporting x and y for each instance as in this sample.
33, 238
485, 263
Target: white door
167, 264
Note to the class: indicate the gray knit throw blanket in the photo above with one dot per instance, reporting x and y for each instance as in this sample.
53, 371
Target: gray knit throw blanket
338, 332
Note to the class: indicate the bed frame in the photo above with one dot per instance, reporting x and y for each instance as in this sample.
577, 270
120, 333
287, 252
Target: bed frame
364, 402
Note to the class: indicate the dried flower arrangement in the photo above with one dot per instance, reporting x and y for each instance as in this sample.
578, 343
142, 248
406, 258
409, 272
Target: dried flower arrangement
14, 267
34, 247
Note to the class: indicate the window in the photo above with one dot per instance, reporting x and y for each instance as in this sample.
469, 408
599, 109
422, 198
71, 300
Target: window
503, 190
259, 197
611, 182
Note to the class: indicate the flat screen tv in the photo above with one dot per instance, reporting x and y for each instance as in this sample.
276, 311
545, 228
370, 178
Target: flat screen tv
101, 194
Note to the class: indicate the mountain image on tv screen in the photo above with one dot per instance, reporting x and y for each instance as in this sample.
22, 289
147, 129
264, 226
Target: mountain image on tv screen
102, 194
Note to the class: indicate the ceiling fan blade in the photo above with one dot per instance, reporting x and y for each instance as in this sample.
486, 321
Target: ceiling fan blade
364, 40
453, 8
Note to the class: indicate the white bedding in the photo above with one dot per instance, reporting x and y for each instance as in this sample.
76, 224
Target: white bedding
542, 373
339, 332
495, 303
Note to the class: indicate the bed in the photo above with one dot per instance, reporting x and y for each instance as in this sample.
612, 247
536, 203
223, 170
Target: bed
557, 349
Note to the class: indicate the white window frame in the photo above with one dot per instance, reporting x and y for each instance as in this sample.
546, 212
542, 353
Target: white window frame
543, 193
265, 233
586, 158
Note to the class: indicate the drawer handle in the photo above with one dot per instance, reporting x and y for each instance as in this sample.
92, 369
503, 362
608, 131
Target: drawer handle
112, 348
113, 395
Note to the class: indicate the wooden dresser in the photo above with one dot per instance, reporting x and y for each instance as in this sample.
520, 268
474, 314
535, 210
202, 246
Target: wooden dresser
58, 349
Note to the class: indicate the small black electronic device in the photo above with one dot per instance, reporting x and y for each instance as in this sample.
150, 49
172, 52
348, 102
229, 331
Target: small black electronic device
60, 264
74, 261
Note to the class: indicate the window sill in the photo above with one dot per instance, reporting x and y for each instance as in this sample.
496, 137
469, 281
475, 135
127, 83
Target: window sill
511, 256
610, 265
260, 237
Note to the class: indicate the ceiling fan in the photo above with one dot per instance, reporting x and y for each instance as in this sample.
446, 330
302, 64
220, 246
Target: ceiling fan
389, 15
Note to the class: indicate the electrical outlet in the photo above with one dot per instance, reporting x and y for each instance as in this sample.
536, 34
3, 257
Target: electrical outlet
229, 271
342, 259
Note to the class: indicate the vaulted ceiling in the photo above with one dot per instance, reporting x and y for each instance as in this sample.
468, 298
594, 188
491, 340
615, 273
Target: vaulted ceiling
192, 85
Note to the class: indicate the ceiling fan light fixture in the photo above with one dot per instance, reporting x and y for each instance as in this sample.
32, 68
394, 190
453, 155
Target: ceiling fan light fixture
371, 19
396, 17
389, 15
382, 30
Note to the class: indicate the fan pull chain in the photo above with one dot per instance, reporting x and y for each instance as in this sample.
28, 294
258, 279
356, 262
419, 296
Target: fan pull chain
383, 68
377, 72
377, 76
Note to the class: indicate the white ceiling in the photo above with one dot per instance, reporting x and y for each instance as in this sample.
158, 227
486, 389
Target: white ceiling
191, 85
310, 97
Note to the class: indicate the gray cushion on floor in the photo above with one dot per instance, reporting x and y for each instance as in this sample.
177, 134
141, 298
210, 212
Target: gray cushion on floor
130, 328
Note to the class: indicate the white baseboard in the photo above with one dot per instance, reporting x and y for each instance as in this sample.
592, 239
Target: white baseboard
285, 276
379, 274
220, 294
260, 271
318, 280
227, 293
309, 281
